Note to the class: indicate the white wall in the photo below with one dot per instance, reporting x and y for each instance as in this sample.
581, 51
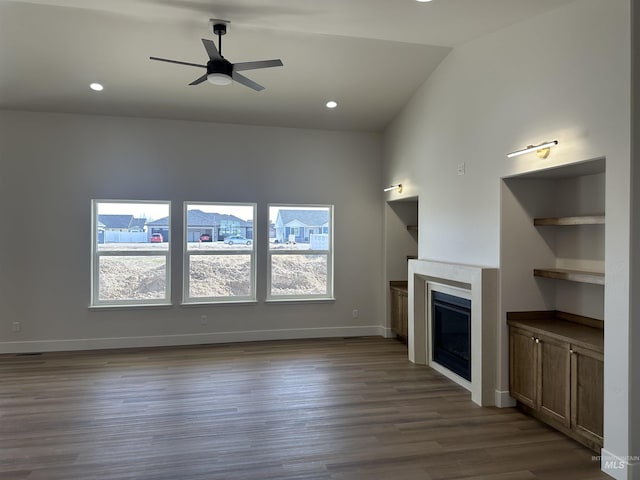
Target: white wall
564, 75
634, 334
492, 96
53, 165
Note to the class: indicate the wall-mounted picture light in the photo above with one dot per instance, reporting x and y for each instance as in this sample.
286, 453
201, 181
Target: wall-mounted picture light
397, 187
543, 150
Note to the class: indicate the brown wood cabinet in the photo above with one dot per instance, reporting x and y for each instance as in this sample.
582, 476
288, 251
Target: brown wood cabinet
400, 310
556, 372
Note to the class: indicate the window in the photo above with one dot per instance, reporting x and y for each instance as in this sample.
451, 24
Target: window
131, 255
219, 253
300, 252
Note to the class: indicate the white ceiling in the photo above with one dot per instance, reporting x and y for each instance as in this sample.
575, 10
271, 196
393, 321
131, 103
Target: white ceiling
369, 55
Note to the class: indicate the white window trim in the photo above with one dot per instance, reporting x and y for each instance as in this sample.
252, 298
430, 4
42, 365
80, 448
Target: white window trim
186, 298
328, 253
96, 254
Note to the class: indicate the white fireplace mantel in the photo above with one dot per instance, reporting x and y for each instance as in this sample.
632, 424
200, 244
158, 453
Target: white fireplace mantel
483, 284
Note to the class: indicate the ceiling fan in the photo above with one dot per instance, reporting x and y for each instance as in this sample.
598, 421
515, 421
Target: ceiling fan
221, 71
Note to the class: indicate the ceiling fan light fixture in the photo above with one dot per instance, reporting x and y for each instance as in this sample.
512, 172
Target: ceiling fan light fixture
221, 71
219, 79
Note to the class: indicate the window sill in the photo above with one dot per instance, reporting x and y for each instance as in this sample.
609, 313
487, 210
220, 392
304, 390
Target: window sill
218, 302
301, 300
134, 306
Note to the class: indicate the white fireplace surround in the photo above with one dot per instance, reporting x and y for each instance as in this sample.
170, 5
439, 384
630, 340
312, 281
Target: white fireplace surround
482, 283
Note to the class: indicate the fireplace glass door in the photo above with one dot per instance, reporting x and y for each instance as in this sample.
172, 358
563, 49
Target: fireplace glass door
451, 333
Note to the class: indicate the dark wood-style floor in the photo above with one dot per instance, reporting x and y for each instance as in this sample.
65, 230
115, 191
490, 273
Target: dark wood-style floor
308, 410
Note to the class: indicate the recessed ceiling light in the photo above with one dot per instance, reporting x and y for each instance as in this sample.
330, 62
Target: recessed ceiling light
423, 1
96, 87
332, 104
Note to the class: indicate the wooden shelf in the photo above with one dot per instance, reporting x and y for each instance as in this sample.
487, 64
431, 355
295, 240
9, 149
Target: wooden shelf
399, 284
579, 276
577, 220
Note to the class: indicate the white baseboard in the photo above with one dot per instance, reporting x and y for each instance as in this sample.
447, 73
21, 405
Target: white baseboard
619, 467
190, 339
387, 332
504, 400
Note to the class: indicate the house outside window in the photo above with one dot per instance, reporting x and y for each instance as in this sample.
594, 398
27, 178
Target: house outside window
130, 262
300, 254
219, 253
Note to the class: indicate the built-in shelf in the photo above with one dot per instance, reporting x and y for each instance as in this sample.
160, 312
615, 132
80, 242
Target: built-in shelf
412, 228
577, 220
579, 276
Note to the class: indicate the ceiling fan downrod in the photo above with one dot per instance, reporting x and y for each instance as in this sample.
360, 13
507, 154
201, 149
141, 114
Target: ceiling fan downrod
219, 29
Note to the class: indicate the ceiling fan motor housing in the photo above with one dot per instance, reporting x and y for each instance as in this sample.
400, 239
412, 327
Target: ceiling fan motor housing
220, 66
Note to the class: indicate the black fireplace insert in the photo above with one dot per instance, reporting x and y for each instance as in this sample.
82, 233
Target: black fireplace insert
451, 332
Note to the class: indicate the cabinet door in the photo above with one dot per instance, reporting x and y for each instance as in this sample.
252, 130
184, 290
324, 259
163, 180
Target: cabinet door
523, 366
554, 392
396, 311
587, 394
404, 318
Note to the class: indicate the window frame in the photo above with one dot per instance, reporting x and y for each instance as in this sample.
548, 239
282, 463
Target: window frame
329, 253
186, 259
96, 254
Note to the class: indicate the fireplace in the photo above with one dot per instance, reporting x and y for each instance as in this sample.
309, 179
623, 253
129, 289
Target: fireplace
478, 284
451, 333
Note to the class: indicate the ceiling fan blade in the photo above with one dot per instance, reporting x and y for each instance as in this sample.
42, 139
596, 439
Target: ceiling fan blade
178, 62
198, 81
239, 67
246, 82
211, 49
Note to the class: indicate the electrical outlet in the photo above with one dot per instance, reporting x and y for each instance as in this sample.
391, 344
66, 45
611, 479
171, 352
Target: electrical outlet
462, 168
355, 313
16, 327
204, 320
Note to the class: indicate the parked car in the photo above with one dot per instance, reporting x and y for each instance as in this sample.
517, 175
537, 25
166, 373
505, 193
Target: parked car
156, 238
233, 239
205, 237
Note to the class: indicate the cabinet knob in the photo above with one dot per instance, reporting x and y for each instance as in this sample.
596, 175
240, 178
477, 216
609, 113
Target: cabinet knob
537, 340
533, 338
571, 351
